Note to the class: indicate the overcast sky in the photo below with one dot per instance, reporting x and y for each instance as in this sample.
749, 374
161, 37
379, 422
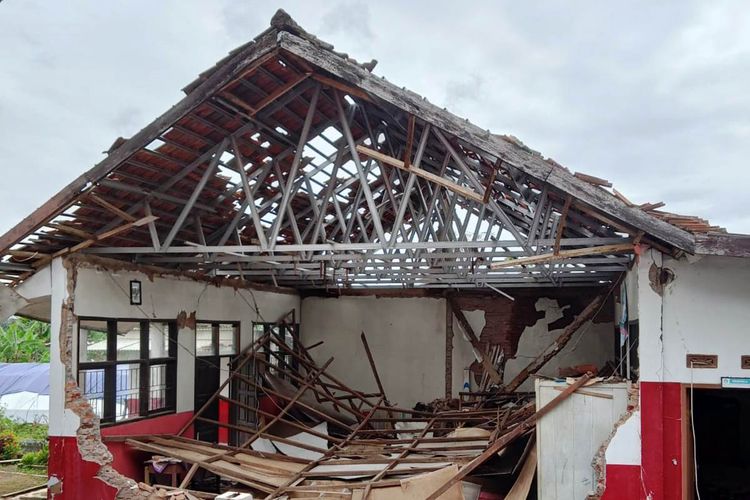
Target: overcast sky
653, 97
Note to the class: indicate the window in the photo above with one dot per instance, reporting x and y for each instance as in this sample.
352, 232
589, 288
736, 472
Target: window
217, 338
282, 333
127, 368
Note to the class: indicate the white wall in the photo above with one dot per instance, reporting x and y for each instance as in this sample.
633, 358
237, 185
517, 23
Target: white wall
705, 311
406, 337
106, 294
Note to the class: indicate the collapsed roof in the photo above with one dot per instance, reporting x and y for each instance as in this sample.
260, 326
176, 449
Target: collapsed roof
290, 163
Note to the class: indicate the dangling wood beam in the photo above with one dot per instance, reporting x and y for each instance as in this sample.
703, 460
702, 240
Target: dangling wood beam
395, 162
561, 225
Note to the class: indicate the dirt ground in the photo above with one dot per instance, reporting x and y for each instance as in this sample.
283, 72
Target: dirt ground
11, 479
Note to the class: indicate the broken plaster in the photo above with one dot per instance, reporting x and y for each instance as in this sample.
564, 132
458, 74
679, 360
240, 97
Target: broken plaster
599, 463
88, 435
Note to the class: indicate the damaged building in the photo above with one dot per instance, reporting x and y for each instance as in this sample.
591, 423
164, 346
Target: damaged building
304, 281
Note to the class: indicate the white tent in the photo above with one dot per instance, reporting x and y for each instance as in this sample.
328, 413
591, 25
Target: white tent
24, 391
26, 407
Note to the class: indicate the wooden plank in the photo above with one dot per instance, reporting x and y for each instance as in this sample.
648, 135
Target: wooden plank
588, 313
409, 141
373, 367
99, 237
112, 208
565, 254
596, 181
521, 488
343, 87
395, 162
728, 245
561, 225
509, 437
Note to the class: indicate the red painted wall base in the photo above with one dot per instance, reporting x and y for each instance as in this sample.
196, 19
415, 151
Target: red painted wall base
623, 483
661, 439
79, 476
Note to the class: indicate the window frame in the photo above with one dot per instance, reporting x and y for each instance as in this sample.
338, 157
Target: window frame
215, 340
275, 358
144, 362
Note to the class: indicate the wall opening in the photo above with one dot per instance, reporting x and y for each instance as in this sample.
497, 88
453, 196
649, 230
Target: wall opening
722, 442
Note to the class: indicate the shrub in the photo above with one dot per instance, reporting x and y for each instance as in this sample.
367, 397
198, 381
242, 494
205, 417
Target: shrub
40, 457
9, 447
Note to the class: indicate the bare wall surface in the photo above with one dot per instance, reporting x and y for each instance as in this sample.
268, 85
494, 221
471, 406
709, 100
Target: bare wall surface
703, 309
406, 336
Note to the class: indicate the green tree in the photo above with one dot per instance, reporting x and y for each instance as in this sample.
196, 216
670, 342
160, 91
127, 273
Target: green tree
24, 340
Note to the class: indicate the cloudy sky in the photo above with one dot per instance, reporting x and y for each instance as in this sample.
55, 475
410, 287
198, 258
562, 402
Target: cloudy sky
650, 95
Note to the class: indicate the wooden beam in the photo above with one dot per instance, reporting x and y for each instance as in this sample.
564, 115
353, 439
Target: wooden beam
409, 141
509, 437
490, 184
105, 204
343, 87
394, 162
373, 366
564, 254
276, 94
596, 181
464, 323
85, 235
558, 345
561, 225
99, 237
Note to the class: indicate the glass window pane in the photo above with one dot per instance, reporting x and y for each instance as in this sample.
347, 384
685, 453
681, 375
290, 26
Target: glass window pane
127, 393
204, 340
158, 340
92, 345
91, 383
227, 339
128, 340
258, 331
157, 387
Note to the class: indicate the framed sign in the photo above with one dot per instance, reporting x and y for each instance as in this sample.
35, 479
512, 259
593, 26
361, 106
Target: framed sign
136, 297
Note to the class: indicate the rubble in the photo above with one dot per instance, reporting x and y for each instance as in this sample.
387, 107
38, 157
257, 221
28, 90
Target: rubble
325, 439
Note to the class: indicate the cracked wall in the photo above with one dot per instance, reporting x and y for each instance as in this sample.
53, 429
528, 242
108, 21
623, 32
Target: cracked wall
83, 287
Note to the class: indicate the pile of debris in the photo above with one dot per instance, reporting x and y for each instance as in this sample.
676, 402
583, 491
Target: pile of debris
309, 435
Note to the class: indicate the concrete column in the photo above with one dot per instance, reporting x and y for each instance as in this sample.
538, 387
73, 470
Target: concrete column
62, 422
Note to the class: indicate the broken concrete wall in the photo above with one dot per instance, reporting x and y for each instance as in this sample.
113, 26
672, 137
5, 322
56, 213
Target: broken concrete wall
524, 327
